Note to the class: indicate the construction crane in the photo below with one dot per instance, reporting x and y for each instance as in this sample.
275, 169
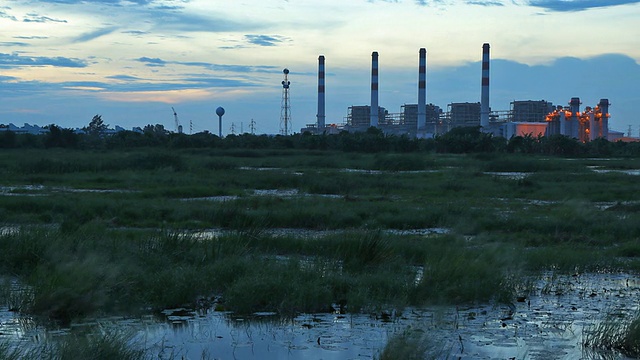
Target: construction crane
175, 116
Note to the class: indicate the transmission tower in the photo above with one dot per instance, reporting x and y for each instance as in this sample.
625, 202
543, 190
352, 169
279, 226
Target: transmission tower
285, 112
233, 128
252, 127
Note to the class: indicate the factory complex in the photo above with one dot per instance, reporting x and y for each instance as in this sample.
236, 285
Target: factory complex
423, 120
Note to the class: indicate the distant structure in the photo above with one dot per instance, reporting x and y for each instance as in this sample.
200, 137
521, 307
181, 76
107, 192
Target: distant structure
589, 125
175, 117
484, 96
220, 112
38, 130
525, 117
285, 111
321, 104
530, 110
422, 90
374, 118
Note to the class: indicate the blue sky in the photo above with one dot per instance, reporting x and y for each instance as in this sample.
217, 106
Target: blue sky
63, 61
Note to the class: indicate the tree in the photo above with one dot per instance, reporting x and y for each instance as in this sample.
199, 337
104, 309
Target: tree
8, 139
96, 126
58, 137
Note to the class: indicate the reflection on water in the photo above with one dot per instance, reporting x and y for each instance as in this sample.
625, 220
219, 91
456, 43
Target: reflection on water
512, 175
550, 322
313, 234
599, 169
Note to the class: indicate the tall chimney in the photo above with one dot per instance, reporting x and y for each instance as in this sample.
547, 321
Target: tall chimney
422, 89
604, 121
321, 116
374, 90
484, 101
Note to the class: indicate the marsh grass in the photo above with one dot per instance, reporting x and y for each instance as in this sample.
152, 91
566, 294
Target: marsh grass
616, 333
93, 253
410, 344
454, 273
102, 345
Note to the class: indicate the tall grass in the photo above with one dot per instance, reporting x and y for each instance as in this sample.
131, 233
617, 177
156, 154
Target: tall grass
410, 344
94, 252
615, 333
105, 345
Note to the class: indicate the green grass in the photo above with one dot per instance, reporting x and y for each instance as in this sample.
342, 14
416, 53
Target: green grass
410, 344
615, 332
82, 253
105, 345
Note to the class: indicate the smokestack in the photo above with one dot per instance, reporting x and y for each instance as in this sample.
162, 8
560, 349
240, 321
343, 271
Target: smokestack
321, 117
604, 121
422, 89
484, 100
374, 89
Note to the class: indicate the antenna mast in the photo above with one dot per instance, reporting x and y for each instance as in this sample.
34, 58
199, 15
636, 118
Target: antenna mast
285, 112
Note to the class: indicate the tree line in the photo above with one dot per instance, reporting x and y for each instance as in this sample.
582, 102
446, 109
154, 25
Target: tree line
458, 140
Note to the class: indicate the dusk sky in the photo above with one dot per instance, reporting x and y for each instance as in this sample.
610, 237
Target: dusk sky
64, 61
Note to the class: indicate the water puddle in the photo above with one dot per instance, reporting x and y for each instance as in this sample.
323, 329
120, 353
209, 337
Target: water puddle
600, 170
41, 190
512, 175
315, 234
378, 172
549, 323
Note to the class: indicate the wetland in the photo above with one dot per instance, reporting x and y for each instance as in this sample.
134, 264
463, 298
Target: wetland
286, 253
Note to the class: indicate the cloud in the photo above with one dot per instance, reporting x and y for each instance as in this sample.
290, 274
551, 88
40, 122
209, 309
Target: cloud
15, 60
152, 61
41, 19
485, 3
265, 40
136, 32
4, 15
177, 21
4, 78
102, 2
430, 2
578, 5
123, 77
157, 62
94, 34
31, 37
13, 43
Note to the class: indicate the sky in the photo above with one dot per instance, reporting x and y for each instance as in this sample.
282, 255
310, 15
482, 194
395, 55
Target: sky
64, 61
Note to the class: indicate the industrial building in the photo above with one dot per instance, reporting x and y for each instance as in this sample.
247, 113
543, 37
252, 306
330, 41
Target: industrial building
534, 117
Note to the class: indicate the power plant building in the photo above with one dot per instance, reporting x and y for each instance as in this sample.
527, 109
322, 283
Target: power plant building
359, 117
530, 110
463, 114
525, 117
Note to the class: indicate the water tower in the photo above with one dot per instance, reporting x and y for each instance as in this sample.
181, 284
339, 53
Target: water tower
220, 112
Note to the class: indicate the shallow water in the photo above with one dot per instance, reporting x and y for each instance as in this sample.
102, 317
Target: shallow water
549, 323
511, 175
315, 234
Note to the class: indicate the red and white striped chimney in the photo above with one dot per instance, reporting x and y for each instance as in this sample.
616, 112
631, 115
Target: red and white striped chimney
422, 89
374, 90
321, 103
484, 101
